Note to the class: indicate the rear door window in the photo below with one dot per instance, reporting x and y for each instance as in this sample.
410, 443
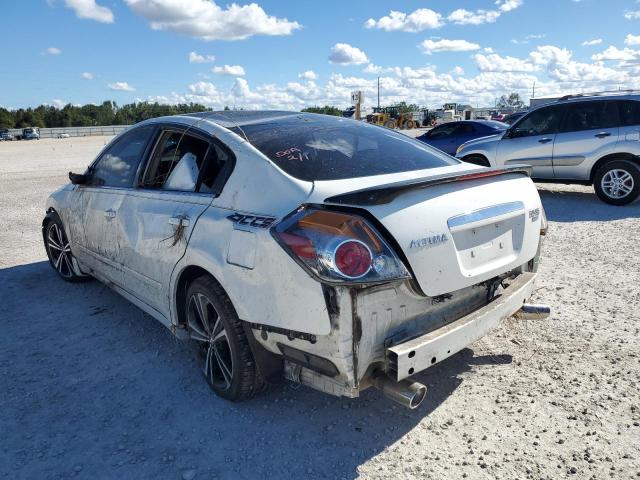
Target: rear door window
312, 147
590, 116
176, 162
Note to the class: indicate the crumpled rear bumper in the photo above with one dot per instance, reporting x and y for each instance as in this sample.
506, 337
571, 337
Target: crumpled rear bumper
406, 359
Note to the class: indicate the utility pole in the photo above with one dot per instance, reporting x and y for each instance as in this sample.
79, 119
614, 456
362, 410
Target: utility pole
533, 94
378, 93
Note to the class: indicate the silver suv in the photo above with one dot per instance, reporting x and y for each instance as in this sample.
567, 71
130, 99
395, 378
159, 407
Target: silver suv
591, 140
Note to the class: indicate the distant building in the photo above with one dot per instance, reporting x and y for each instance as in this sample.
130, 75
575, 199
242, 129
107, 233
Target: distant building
534, 102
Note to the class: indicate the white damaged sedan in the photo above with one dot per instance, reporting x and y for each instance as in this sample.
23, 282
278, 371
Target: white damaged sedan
330, 252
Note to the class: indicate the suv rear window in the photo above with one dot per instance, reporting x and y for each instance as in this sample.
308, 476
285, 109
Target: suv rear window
312, 148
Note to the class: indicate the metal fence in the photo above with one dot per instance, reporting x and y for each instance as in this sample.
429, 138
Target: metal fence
75, 131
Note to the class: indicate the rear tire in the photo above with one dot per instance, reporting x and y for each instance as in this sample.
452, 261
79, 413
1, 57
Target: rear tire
617, 182
58, 249
220, 342
477, 160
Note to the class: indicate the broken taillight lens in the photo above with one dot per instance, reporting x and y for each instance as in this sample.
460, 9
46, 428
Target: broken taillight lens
338, 247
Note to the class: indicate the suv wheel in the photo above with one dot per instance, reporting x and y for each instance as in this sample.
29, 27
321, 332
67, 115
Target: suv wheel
220, 342
59, 251
617, 182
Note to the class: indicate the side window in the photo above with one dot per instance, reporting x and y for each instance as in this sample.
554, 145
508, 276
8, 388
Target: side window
629, 113
176, 162
590, 116
442, 132
118, 165
539, 122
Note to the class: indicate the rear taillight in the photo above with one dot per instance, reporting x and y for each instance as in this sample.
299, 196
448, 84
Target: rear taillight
338, 247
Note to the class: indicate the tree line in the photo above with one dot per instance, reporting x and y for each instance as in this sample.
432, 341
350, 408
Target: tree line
109, 113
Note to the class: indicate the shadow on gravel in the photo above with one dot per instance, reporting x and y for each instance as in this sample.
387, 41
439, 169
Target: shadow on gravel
583, 207
94, 388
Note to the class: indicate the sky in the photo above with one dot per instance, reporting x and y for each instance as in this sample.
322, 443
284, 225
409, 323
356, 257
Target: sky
289, 55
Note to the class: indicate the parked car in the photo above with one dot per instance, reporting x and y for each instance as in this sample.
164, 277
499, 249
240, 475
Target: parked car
590, 140
287, 245
5, 135
31, 133
512, 117
449, 136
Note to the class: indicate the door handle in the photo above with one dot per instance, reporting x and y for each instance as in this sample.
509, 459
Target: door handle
545, 140
603, 134
179, 221
110, 213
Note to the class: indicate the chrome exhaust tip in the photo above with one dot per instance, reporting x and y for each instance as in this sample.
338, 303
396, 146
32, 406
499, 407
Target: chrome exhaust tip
407, 393
531, 311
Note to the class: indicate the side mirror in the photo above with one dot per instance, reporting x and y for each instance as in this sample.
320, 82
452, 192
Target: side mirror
78, 178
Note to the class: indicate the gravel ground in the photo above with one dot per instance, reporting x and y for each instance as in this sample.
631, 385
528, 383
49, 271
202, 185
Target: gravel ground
94, 388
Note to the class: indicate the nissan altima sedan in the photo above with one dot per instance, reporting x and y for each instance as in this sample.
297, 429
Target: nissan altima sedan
329, 252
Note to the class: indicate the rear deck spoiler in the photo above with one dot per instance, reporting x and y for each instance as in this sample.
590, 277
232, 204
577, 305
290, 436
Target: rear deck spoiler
382, 194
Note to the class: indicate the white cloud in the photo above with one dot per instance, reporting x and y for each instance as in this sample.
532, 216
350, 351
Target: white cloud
444, 45
308, 75
632, 40
89, 9
87, 75
632, 15
122, 86
197, 58
457, 70
508, 5
205, 20
233, 70
595, 41
462, 16
416, 21
345, 54
54, 51
56, 102
614, 53
495, 63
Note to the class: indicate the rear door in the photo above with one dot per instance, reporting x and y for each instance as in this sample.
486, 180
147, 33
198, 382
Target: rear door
530, 141
98, 205
178, 184
588, 132
442, 137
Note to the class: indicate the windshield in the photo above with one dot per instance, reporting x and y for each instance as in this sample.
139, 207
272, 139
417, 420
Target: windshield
311, 147
496, 125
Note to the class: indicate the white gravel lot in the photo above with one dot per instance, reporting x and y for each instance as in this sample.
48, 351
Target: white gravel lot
94, 388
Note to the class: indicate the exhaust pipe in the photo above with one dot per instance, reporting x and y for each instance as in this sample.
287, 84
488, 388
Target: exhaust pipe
530, 311
407, 393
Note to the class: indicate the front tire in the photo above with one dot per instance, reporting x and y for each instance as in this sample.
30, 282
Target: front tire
58, 250
220, 342
617, 182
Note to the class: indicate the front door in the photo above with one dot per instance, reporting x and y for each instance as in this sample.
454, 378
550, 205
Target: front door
530, 141
111, 179
176, 188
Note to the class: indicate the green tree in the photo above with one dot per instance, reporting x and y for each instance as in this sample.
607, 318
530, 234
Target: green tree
326, 110
513, 101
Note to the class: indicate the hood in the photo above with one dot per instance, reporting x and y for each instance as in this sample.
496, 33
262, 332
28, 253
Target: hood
483, 143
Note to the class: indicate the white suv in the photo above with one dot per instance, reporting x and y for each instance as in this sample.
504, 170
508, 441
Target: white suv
591, 140
337, 254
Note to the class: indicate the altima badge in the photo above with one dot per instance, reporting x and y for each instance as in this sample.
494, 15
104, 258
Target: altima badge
534, 214
428, 242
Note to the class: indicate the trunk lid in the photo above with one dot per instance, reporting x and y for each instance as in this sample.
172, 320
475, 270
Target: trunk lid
456, 227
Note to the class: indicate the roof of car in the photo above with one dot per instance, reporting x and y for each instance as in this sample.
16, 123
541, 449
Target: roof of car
234, 118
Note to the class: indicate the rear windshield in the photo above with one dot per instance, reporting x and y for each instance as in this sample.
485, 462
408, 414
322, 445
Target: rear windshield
312, 147
496, 125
